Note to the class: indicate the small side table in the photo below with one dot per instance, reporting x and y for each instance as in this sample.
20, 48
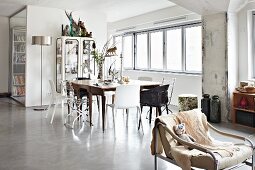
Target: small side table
187, 102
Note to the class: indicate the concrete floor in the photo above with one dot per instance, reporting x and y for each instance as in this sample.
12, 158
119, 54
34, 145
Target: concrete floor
29, 142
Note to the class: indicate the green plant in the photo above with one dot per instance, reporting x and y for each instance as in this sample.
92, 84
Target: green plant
98, 57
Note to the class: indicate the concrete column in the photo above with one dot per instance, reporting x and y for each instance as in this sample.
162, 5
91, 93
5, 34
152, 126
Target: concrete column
215, 59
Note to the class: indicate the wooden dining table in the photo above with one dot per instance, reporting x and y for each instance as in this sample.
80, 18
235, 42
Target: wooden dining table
97, 87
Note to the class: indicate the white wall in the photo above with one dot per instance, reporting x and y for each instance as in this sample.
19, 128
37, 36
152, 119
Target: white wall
245, 41
184, 83
18, 22
147, 20
95, 22
215, 67
233, 78
232, 50
48, 21
4, 54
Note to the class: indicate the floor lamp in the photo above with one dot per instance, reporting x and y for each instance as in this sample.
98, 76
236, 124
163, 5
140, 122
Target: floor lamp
42, 41
121, 69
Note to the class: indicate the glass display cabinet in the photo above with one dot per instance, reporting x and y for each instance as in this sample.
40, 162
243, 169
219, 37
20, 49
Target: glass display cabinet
73, 59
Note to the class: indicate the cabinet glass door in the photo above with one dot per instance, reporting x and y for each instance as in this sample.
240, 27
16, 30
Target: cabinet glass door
87, 62
59, 63
71, 59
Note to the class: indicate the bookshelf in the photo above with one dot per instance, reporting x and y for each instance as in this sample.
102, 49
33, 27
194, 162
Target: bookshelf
18, 64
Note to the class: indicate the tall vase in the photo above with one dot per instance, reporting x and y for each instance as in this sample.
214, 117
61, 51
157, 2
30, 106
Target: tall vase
100, 72
215, 110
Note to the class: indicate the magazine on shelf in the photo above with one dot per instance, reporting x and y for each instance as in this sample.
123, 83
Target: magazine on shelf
18, 91
19, 80
20, 58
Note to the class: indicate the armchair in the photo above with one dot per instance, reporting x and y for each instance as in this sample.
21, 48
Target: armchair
205, 152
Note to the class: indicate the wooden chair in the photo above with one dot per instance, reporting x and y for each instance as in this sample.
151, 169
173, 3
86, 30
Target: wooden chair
156, 97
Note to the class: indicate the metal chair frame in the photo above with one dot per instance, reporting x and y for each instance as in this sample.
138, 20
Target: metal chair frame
194, 146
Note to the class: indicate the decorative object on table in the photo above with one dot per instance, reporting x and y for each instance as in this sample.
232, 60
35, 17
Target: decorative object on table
243, 103
246, 87
215, 113
187, 102
42, 41
75, 29
125, 79
205, 105
243, 83
112, 72
99, 59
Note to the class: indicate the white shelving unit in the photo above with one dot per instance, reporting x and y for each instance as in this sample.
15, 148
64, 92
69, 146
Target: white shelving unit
18, 65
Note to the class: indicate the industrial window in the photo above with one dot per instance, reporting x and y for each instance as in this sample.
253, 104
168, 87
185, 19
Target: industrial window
171, 49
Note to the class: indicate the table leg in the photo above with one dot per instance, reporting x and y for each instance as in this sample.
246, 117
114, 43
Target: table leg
103, 111
150, 115
90, 109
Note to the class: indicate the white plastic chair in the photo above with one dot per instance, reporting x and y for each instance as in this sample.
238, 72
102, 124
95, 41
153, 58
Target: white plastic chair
56, 98
127, 96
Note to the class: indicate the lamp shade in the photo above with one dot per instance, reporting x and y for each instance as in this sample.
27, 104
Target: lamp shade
41, 40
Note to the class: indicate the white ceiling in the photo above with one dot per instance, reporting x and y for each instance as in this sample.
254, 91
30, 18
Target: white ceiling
207, 7
114, 9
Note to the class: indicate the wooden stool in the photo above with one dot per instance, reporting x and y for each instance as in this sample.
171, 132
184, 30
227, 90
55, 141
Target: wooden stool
187, 102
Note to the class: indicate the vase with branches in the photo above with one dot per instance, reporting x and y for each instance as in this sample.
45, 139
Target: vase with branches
99, 60
99, 57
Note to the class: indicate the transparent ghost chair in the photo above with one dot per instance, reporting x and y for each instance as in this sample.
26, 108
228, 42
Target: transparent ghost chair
75, 111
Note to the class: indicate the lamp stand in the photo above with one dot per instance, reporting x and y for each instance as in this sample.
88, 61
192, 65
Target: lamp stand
47, 41
121, 70
41, 108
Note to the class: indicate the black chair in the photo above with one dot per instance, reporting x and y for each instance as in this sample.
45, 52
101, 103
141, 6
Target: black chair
83, 92
156, 97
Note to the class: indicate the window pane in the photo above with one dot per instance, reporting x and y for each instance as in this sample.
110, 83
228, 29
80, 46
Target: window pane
118, 44
127, 51
142, 51
194, 49
157, 50
174, 50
